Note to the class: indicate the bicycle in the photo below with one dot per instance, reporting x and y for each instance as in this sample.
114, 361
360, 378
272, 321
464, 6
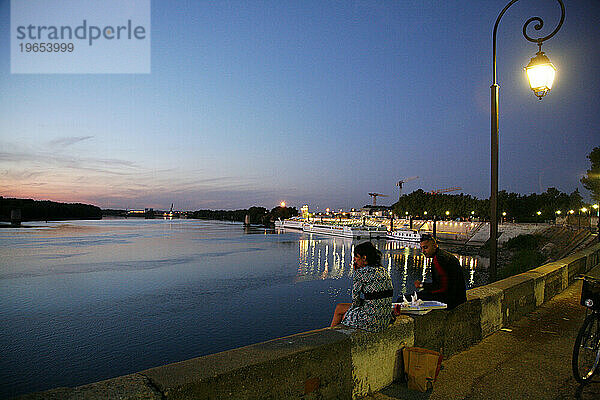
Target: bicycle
586, 352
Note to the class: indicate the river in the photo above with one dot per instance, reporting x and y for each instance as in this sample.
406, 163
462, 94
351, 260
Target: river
83, 301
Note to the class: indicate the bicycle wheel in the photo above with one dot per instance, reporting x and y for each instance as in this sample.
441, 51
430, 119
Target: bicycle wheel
586, 352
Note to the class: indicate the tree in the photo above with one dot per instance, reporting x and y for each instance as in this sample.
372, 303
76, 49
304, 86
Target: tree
575, 200
283, 212
591, 181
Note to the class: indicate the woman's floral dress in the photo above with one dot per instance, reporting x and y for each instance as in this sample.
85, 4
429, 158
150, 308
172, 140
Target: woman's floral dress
372, 293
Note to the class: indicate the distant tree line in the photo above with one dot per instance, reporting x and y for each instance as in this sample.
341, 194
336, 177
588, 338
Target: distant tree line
35, 210
110, 212
519, 208
258, 215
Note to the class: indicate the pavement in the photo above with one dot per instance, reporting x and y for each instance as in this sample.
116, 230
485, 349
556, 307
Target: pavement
530, 359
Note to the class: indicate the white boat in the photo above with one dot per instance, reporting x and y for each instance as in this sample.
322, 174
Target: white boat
407, 235
291, 223
354, 232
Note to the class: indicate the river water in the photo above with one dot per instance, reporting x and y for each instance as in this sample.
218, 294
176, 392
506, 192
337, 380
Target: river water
83, 301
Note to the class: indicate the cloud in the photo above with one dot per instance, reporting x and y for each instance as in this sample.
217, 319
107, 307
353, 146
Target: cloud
48, 173
118, 183
45, 160
68, 141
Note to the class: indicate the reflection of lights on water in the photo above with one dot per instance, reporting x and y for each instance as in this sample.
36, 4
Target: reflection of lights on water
470, 264
343, 260
318, 262
425, 262
326, 259
405, 272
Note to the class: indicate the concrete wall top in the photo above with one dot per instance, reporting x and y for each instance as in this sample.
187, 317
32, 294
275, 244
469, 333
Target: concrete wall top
214, 364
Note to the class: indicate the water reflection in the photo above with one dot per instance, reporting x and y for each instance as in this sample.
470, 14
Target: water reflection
321, 257
83, 301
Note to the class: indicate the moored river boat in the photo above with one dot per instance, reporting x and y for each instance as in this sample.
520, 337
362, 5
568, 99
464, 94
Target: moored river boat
349, 231
407, 235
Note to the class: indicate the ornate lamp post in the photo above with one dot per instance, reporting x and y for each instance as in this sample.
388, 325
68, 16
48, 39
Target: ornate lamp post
540, 72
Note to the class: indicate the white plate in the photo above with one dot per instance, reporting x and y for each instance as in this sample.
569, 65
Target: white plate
421, 309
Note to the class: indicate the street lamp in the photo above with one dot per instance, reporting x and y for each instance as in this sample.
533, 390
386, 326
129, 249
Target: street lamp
540, 87
540, 73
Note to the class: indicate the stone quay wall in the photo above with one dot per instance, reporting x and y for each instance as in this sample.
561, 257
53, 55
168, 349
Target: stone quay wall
341, 363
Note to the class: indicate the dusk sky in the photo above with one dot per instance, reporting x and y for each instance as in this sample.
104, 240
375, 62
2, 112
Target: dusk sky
311, 102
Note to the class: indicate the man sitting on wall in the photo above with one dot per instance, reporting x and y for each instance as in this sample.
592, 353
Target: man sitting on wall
447, 279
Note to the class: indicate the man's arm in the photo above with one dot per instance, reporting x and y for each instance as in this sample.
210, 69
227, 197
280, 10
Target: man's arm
439, 278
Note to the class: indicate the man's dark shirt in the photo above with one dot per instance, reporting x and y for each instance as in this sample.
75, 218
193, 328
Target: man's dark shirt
447, 280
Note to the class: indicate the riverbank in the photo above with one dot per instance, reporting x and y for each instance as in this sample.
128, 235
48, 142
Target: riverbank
16, 211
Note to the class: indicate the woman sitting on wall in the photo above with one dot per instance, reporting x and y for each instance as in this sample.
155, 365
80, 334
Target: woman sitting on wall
372, 291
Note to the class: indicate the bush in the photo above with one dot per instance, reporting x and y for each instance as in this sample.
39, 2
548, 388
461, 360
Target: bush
522, 261
523, 242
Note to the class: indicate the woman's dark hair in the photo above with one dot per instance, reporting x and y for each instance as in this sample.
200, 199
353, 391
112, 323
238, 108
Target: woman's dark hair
367, 249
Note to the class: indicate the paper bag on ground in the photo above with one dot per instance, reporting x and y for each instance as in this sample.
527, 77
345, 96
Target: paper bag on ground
421, 366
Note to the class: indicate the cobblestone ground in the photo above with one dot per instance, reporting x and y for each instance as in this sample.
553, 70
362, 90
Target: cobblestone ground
531, 360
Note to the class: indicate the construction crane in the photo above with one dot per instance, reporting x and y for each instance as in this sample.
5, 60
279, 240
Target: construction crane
401, 182
374, 196
450, 189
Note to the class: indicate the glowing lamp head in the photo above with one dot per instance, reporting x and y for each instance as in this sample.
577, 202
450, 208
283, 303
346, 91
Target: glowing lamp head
540, 72
282, 204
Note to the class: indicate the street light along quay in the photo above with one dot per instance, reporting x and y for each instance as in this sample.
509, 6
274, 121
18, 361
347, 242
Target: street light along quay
540, 72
